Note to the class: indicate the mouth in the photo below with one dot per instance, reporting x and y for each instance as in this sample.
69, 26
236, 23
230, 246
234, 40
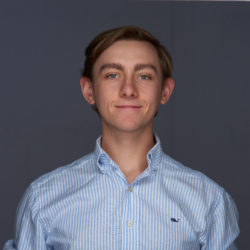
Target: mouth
128, 106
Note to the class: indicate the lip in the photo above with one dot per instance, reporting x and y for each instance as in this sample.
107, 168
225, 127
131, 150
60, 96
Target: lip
128, 106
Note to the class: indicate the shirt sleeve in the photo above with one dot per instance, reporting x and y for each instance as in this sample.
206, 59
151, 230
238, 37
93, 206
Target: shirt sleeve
223, 226
30, 233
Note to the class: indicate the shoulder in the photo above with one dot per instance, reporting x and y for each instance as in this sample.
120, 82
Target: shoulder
46, 196
187, 175
194, 188
201, 198
63, 180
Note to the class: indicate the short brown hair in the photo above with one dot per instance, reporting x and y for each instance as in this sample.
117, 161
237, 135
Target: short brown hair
105, 39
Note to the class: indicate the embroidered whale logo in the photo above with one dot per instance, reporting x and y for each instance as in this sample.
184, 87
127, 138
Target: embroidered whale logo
175, 220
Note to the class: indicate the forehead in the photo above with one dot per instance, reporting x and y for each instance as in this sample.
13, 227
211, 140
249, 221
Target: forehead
128, 54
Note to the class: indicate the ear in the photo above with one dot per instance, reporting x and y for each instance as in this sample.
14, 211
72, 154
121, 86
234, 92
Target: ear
167, 89
87, 90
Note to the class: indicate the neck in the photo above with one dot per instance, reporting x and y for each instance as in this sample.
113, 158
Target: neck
128, 150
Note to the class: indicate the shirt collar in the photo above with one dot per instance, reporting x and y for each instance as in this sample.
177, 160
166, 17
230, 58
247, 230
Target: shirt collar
155, 154
105, 163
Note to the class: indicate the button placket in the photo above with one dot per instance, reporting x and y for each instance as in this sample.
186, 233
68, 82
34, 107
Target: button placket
131, 208
130, 215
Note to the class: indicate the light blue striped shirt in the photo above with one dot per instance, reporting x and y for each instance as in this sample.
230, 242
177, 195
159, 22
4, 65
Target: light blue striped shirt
89, 205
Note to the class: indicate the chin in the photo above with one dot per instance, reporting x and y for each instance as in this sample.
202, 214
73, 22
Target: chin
128, 124
131, 127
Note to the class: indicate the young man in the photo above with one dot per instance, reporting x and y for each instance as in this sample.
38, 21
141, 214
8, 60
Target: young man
127, 194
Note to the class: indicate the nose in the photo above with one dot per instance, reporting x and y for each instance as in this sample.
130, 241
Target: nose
128, 88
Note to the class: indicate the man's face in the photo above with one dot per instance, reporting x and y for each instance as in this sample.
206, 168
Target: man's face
127, 86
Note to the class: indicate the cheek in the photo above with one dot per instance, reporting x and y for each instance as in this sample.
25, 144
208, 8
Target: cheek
152, 95
102, 97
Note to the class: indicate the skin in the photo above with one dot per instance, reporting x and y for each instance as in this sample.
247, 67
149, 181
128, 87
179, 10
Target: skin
127, 88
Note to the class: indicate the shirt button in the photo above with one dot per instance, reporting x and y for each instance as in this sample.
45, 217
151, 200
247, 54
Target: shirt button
130, 189
130, 223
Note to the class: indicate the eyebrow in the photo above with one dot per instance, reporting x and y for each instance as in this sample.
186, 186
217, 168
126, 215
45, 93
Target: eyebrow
145, 66
111, 66
121, 68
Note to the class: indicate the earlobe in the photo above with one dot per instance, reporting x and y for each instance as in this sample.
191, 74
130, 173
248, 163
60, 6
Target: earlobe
87, 90
167, 90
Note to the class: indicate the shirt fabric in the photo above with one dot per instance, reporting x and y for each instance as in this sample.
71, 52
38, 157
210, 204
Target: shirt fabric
89, 204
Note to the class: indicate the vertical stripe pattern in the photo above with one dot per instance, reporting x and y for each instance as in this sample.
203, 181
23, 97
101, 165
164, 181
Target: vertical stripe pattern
89, 205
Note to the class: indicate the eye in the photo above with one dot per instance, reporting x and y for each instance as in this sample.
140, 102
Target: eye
112, 76
145, 77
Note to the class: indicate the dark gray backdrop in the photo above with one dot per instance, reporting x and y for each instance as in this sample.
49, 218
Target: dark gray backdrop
45, 122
